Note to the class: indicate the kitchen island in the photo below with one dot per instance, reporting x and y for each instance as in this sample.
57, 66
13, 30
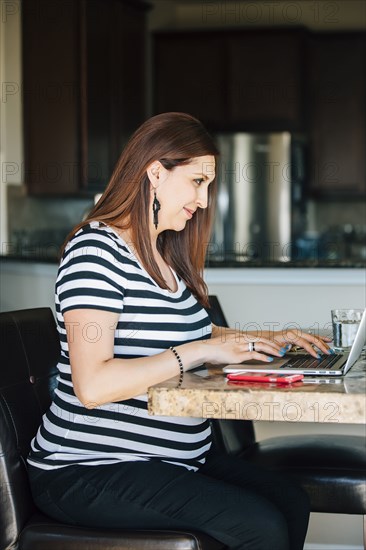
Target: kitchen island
248, 295
206, 393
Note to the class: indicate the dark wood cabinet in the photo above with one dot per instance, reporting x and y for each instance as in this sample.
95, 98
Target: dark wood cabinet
266, 79
337, 107
189, 71
241, 79
84, 90
51, 96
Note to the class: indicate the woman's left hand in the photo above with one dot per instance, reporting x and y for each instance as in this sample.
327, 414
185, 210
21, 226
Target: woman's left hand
305, 340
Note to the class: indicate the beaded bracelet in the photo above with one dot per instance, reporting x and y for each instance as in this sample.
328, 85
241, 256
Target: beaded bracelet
181, 372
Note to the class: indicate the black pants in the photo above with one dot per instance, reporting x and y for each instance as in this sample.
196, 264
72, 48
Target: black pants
235, 502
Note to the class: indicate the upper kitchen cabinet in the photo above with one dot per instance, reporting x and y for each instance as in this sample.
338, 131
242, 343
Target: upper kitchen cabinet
337, 110
266, 79
189, 74
84, 90
239, 79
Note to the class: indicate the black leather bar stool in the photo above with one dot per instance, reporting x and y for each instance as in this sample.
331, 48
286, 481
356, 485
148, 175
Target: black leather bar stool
331, 468
29, 353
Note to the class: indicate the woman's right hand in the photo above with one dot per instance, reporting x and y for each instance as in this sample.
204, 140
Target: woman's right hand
234, 347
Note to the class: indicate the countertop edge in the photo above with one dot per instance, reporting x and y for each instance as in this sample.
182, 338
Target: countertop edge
256, 405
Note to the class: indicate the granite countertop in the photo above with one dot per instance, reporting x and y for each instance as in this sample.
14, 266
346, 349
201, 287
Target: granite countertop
207, 394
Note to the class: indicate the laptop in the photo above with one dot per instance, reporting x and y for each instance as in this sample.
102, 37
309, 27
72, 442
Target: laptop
337, 364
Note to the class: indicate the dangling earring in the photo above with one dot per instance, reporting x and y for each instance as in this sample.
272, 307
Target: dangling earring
156, 207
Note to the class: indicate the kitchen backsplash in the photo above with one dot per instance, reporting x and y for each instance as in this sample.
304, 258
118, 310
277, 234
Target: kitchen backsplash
322, 215
339, 226
38, 226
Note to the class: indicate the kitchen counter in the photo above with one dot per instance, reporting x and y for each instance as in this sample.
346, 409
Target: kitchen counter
37, 258
207, 394
38, 255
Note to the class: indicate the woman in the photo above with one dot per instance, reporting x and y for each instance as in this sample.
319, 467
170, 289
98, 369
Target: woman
129, 302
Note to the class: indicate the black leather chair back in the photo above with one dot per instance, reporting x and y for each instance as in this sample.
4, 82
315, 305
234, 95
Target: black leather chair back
29, 352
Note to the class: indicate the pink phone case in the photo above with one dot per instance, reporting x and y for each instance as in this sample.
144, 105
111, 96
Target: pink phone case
260, 377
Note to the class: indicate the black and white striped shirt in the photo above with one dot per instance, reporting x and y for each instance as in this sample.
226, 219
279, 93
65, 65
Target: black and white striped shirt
100, 271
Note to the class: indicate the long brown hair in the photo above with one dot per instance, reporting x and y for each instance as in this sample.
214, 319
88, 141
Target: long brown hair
173, 139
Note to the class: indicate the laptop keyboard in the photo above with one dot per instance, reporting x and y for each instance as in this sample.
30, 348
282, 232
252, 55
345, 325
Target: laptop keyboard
304, 361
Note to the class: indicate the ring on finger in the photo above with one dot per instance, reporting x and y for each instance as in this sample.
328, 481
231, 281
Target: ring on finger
251, 346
